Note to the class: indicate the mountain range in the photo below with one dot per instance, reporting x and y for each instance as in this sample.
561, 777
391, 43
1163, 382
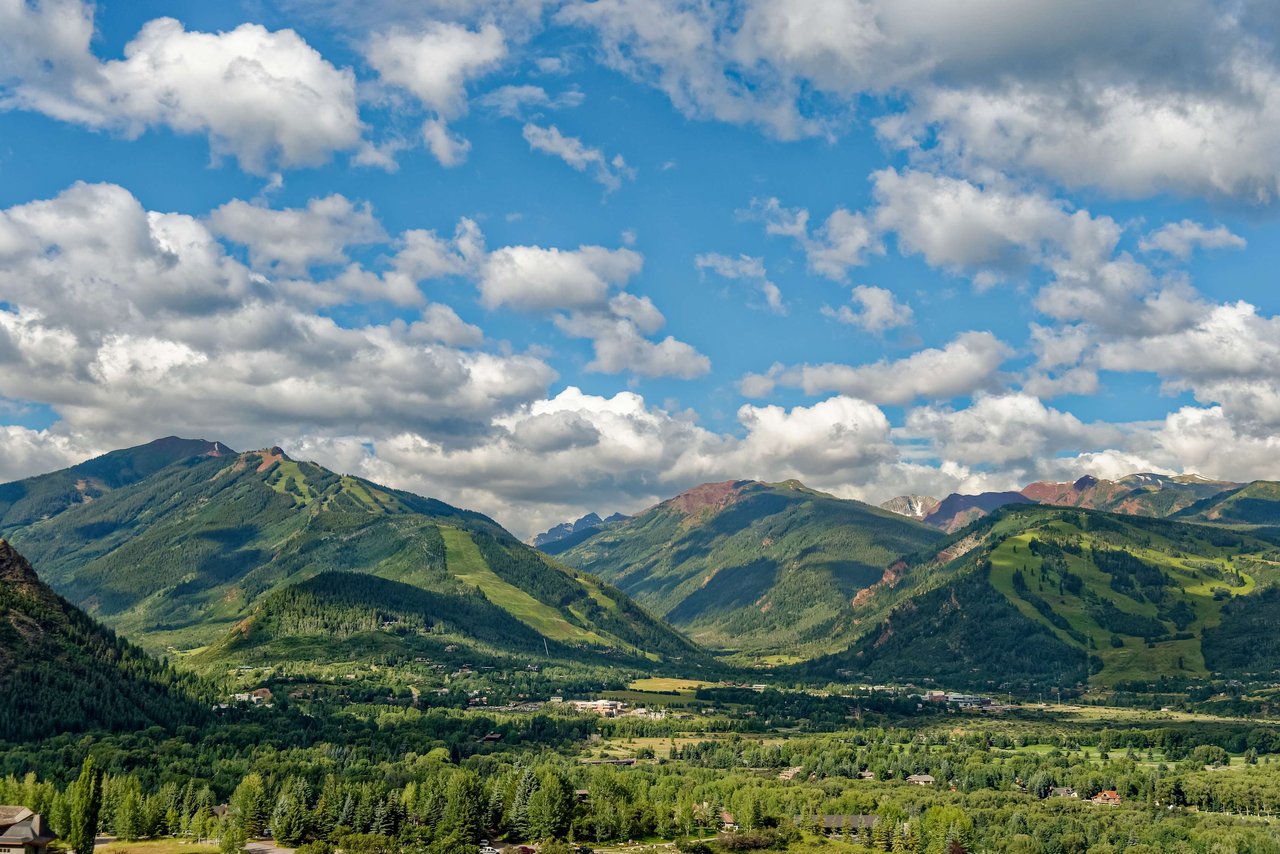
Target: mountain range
753, 567
184, 545
1188, 497
221, 559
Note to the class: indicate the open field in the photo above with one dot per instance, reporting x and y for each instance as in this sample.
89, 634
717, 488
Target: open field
158, 846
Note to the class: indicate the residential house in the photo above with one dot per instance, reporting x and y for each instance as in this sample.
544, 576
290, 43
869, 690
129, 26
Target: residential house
727, 821
921, 779
23, 831
1062, 792
1110, 797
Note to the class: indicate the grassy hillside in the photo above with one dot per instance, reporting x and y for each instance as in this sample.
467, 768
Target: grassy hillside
1128, 599
180, 558
770, 571
62, 672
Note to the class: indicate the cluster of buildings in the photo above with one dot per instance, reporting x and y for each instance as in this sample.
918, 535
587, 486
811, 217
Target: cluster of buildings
964, 701
612, 709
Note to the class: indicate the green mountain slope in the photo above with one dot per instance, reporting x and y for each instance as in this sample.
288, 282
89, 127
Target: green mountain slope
1256, 503
1121, 598
25, 501
62, 672
179, 558
763, 569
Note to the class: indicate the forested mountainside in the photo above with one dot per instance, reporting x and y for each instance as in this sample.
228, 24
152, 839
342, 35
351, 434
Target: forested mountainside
765, 569
61, 672
178, 558
1034, 597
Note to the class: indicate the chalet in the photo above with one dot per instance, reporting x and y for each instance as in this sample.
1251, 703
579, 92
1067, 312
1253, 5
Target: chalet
23, 831
1110, 797
727, 821
921, 780
1062, 792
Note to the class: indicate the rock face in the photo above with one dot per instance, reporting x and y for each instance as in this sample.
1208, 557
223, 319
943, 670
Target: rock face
915, 506
955, 511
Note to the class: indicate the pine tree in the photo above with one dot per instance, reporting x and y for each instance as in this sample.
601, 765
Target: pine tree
84, 813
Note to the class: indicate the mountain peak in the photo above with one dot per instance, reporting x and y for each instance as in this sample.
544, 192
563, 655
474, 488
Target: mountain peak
1086, 482
709, 496
914, 506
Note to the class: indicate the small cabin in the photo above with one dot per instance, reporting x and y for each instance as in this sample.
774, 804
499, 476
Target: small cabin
23, 831
921, 780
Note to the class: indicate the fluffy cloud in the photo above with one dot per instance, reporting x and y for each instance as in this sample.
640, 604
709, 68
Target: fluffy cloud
878, 310
266, 98
1135, 99
844, 240
434, 62
606, 171
745, 268
967, 364
1180, 239
988, 231
131, 322
532, 278
557, 458
295, 239
1008, 430
1230, 356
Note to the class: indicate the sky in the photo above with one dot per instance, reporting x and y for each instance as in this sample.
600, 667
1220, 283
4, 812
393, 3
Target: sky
538, 258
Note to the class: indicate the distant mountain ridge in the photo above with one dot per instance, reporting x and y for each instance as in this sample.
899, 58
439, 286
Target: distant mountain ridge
178, 557
1139, 494
914, 506
567, 534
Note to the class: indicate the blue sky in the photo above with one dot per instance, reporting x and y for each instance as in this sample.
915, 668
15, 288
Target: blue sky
539, 258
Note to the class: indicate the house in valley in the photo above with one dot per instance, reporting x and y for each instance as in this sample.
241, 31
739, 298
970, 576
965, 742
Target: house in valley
1110, 797
23, 831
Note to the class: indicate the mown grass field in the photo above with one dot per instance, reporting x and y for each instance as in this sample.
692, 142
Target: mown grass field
467, 565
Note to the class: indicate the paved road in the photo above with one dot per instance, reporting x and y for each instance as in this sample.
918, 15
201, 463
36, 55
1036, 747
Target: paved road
266, 847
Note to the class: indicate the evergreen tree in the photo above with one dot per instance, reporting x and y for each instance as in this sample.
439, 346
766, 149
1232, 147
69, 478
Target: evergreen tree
246, 806
87, 805
291, 818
